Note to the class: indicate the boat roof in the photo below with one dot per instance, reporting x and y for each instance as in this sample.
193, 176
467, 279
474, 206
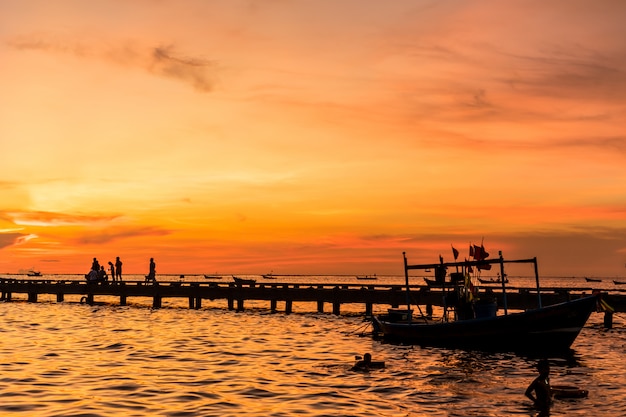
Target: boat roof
470, 263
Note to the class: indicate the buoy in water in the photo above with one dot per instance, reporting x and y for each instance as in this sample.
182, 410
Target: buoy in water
568, 391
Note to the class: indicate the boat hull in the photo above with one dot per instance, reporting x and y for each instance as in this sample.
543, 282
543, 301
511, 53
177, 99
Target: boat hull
552, 328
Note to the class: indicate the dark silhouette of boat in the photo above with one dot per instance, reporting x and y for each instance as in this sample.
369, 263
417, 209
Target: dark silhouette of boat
592, 279
247, 281
212, 276
477, 326
367, 277
33, 273
619, 282
492, 280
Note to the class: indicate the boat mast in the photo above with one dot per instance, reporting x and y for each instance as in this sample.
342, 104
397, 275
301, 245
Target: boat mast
503, 279
406, 283
537, 281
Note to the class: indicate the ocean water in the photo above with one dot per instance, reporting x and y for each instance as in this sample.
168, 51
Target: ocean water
72, 359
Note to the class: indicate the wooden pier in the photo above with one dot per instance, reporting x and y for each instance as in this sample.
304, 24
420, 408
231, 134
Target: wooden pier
334, 295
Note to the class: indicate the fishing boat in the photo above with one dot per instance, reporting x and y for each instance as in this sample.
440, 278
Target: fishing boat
212, 276
592, 279
247, 281
33, 273
268, 276
440, 277
619, 282
367, 277
492, 280
475, 323
437, 284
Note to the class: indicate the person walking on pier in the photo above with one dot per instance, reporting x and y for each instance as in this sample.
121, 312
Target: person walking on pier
118, 268
152, 274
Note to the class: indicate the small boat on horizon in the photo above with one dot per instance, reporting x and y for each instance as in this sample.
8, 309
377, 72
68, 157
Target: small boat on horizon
268, 276
593, 279
212, 276
619, 282
492, 281
367, 277
240, 281
33, 273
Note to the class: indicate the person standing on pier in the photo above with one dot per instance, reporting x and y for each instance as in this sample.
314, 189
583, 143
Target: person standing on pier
118, 268
152, 274
95, 265
112, 269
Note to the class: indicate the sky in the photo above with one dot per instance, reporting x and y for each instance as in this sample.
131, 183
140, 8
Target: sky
311, 137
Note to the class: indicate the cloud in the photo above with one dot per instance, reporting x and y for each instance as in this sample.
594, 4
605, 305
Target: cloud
99, 229
107, 235
44, 219
25, 238
190, 70
10, 239
163, 61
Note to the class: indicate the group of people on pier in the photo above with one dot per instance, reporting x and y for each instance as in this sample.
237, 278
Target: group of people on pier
99, 274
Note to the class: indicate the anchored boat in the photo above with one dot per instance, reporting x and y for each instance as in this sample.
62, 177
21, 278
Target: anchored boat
470, 320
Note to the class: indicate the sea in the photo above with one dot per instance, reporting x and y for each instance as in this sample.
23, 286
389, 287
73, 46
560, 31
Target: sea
72, 359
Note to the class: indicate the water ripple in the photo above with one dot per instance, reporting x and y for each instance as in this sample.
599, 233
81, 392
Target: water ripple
73, 360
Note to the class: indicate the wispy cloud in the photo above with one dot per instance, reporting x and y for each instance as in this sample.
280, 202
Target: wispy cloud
10, 239
43, 219
103, 236
163, 61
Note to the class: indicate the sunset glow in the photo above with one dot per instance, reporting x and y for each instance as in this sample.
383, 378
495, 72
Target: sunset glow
242, 136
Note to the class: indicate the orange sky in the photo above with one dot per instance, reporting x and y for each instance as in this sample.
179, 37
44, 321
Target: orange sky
238, 136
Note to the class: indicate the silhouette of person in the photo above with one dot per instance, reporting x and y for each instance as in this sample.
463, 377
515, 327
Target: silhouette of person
364, 364
152, 274
112, 269
102, 276
95, 265
118, 268
541, 388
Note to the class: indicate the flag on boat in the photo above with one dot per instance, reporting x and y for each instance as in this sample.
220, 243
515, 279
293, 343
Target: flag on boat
486, 267
479, 253
455, 253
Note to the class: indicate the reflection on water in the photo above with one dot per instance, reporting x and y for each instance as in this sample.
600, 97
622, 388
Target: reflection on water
67, 359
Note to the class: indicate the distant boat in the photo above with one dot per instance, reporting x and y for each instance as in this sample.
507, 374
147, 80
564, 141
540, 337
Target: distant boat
492, 281
33, 273
456, 278
436, 283
268, 276
243, 280
212, 276
593, 279
367, 277
619, 282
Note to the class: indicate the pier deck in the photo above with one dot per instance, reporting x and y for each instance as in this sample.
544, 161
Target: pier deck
334, 295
